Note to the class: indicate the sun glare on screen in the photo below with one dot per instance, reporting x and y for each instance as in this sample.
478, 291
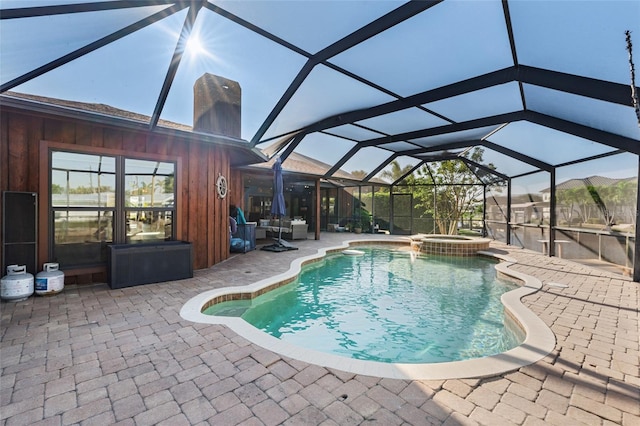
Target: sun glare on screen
195, 46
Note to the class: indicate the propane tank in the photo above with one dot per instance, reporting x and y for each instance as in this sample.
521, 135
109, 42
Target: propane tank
17, 285
50, 280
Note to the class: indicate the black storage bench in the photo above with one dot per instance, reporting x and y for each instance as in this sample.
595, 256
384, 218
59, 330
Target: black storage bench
145, 263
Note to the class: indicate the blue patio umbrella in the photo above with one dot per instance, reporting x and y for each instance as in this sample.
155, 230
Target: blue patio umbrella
277, 205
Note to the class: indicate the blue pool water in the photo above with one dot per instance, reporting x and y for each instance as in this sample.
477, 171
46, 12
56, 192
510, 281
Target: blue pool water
388, 306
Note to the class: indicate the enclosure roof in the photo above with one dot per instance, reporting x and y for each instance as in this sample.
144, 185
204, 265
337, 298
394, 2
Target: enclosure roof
359, 85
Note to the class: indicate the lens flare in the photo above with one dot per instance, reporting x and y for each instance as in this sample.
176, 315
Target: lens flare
195, 46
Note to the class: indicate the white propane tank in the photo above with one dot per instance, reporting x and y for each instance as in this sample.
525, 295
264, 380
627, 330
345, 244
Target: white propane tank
50, 280
17, 285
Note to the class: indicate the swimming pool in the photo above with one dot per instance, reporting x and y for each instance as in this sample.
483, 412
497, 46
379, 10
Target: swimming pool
388, 305
539, 340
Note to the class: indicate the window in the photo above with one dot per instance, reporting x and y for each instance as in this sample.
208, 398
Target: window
149, 189
97, 200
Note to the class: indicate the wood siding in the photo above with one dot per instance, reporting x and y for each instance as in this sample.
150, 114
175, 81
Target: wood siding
201, 216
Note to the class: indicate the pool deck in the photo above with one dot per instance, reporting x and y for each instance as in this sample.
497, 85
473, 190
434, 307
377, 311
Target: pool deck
91, 355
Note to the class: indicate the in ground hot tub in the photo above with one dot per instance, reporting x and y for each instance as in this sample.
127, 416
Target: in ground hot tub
450, 245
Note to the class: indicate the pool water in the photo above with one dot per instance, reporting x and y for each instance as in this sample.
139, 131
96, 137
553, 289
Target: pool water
389, 306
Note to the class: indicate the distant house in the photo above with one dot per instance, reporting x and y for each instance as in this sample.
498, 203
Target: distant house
534, 208
595, 181
595, 200
525, 208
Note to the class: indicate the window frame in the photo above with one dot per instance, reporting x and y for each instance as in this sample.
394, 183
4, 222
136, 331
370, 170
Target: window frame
126, 209
118, 211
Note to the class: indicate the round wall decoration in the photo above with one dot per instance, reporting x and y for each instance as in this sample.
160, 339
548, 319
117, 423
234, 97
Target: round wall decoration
221, 186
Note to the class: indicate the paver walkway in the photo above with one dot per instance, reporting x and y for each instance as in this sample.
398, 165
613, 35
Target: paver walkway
91, 355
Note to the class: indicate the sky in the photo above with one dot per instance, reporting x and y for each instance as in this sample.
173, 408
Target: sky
426, 51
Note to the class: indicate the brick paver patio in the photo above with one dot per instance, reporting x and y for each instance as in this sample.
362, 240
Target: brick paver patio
91, 355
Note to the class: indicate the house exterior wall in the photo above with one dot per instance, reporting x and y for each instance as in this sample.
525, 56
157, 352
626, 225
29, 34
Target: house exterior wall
201, 215
236, 189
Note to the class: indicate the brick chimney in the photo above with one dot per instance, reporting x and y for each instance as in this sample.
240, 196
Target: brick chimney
216, 106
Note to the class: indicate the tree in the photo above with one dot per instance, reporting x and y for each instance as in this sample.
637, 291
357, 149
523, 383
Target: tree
396, 171
360, 174
626, 193
573, 201
56, 189
168, 184
606, 204
605, 210
615, 202
632, 69
448, 189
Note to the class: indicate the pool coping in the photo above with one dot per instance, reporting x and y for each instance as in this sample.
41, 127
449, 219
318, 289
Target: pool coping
538, 343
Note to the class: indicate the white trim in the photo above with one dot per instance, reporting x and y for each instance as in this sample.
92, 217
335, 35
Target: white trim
539, 340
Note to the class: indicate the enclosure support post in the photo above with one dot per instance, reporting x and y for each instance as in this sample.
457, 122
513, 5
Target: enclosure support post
552, 213
508, 212
359, 218
484, 210
318, 210
373, 210
636, 252
435, 207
